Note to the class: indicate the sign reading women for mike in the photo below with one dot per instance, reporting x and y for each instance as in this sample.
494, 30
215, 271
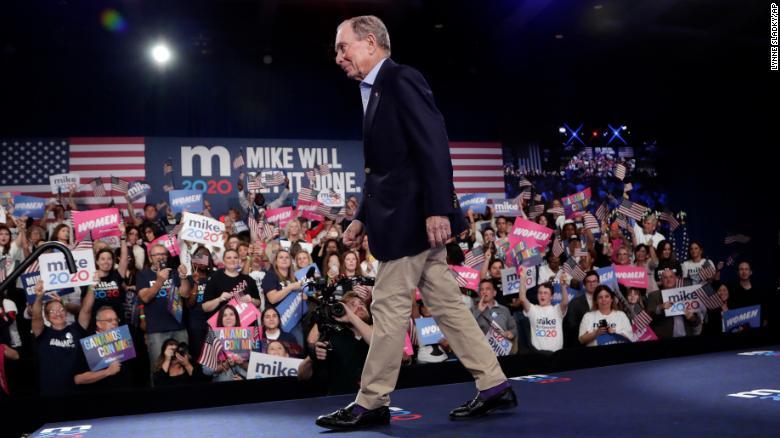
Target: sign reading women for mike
202, 229
532, 234
185, 200
55, 273
735, 318
477, 202
682, 299
291, 310
631, 276
263, 365
96, 223
279, 216
428, 330
103, 348
29, 206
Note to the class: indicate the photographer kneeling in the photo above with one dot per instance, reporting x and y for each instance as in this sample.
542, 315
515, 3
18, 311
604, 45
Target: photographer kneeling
340, 358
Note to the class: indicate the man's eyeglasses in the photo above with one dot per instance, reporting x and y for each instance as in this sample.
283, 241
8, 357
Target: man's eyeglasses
108, 320
159, 254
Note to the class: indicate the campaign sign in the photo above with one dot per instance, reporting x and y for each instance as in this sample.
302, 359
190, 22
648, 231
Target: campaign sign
428, 331
510, 281
612, 338
138, 189
171, 243
110, 346
247, 314
330, 198
240, 341
29, 206
682, 299
644, 334
631, 276
525, 255
495, 337
505, 207
201, 229
28, 283
477, 202
300, 274
291, 309
263, 365
279, 216
55, 273
185, 200
530, 233
469, 275
576, 204
607, 277
174, 304
736, 318
558, 293
96, 223
63, 182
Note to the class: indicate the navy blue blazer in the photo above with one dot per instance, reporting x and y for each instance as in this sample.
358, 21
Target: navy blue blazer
407, 165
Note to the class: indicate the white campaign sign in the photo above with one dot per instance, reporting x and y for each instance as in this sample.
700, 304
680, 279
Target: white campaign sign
201, 229
63, 182
495, 337
263, 365
55, 273
682, 298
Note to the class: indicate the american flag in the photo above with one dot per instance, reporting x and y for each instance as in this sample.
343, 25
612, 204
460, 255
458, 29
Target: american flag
536, 211
668, 217
580, 252
254, 184
731, 259
238, 162
573, 269
261, 230
525, 195
97, 187
641, 321
590, 221
708, 297
621, 221
707, 271
475, 258
556, 211
212, 350
557, 247
602, 212
321, 170
626, 152
620, 171
632, 209
272, 178
28, 164
462, 282
736, 238
307, 194
119, 184
478, 168
523, 183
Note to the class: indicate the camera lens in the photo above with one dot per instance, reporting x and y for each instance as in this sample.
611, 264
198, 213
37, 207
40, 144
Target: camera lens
338, 310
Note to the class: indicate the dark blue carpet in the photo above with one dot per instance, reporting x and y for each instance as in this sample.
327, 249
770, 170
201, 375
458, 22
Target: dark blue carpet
686, 396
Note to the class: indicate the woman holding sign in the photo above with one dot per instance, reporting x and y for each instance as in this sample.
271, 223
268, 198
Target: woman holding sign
229, 366
604, 318
109, 288
228, 283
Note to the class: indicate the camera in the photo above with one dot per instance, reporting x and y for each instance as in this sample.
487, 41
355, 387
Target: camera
183, 349
328, 304
163, 264
603, 323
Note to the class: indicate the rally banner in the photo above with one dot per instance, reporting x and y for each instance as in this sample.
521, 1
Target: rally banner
29, 206
240, 341
138, 189
96, 223
300, 275
55, 274
263, 366
201, 229
291, 310
469, 278
607, 277
280, 216
102, 349
682, 299
495, 337
428, 331
185, 200
247, 314
530, 233
64, 182
631, 276
477, 202
505, 207
577, 203
744, 316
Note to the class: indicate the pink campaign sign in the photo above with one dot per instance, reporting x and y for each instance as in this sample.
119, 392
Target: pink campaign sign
247, 313
170, 243
280, 216
631, 276
471, 276
531, 233
100, 223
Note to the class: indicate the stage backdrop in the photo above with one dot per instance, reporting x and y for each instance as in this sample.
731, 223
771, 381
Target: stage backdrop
211, 165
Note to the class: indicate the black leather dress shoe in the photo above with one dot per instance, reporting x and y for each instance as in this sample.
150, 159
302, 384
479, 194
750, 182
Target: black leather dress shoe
344, 419
478, 407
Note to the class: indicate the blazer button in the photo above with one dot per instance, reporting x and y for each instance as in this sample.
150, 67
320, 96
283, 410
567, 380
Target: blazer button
368, 195
368, 170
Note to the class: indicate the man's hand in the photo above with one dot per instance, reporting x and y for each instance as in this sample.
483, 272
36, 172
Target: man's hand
321, 348
114, 368
353, 236
438, 228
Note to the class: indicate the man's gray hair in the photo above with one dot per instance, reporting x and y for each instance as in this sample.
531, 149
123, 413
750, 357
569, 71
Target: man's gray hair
366, 24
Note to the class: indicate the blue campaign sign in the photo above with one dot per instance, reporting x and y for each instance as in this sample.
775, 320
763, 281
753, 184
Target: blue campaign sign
291, 310
607, 277
428, 331
609, 338
29, 206
186, 200
736, 318
477, 202
206, 165
300, 274
103, 348
28, 283
558, 293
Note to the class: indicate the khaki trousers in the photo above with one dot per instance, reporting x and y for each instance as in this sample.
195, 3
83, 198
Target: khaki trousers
391, 309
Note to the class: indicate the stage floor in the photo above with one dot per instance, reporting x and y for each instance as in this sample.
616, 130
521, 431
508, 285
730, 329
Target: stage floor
687, 396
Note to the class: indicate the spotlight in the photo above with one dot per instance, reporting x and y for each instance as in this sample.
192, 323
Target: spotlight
562, 130
161, 54
624, 127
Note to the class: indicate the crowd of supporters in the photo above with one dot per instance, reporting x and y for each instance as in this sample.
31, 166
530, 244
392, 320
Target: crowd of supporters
136, 281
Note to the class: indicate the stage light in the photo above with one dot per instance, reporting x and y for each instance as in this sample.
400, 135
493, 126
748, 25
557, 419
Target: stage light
161, 54
624, 127
595, 134
562, 130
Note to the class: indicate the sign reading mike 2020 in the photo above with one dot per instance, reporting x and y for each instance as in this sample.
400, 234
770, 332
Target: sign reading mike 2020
55, 273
